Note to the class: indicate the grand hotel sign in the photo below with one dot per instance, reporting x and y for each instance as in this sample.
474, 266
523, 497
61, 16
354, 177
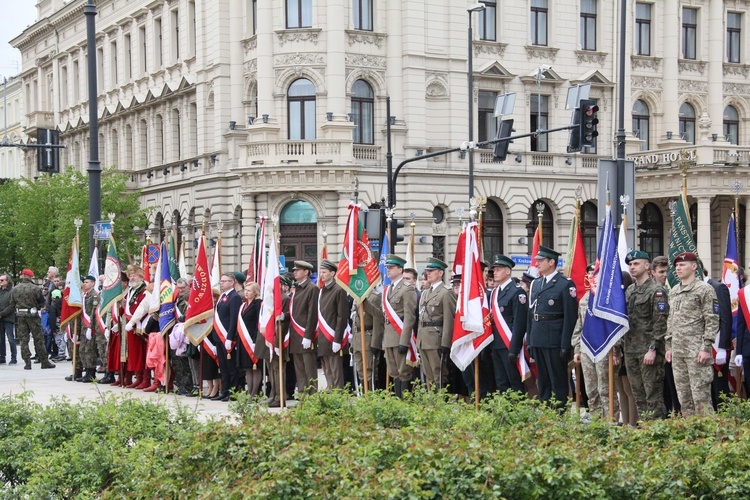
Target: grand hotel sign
664, 158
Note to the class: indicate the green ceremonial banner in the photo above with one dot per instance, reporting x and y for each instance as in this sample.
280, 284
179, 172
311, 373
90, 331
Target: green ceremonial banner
680, 239
112, 286
367, 276
174, 266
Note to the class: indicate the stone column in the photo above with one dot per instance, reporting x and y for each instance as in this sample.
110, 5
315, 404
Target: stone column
715, 66
264, 52
670, 70
704, 231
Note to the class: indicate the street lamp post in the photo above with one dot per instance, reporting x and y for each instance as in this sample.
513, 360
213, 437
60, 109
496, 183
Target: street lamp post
470, 10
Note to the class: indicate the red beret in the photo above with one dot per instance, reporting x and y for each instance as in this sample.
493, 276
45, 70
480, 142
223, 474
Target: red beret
27, 272
685, 257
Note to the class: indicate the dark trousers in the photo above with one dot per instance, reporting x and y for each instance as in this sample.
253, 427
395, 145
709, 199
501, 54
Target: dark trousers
506, 374
7, 330
553, 377
227, 368
720, 384
670, 391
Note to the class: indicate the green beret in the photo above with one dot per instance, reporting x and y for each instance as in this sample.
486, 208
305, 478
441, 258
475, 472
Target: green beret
433, 263
635, 255
547, 253
394, 260
239, 277
503, 261
285, 281
89, 277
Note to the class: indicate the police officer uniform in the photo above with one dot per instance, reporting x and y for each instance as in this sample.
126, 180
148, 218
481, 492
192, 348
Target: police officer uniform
551, 320
437, 308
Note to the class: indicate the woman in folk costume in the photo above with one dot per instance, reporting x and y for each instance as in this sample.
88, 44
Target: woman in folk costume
250, 342
136, 308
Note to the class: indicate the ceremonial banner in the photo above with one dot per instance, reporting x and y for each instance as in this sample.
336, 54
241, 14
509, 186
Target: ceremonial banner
166, 296
607, 314
174, 266
216, 268
533, 270
358, 271
154, 304
200, 310
680, 239
384, 251
257, 264
270, 294
94, 269
72, 298
323, 255
472, 330
730, 276
181, 265
575, 259
112, 289
622, 244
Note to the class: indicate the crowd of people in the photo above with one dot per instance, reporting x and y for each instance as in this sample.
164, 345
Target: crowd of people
667, 362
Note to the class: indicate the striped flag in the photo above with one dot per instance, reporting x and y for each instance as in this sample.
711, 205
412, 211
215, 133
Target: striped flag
72, 296
200, 310
270, 295
166, 295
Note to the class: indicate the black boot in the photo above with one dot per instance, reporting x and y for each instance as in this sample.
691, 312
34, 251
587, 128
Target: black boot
398, 389
47, 365
108, 378
79, 374
89, 377
27, 366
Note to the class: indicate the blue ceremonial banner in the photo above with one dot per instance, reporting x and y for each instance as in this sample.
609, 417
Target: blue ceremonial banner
166, 296
381, 262
607, 314
730, 276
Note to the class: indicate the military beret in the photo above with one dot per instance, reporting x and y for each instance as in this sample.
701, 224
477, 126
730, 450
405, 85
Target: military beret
56, 294
527, 278
433, 263
239, 277
301, 264
483, 265
285, 281
455, 279
27, 272
547, 253
503, 261
394, 260
635, 255
685, 257
89, 277
327, 264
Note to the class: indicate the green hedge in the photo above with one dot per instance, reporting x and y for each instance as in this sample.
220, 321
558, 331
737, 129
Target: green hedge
336, 446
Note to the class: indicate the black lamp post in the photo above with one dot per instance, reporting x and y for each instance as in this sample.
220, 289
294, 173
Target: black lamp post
470, 10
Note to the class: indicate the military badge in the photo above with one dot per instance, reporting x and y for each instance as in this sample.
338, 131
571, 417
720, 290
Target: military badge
573, 292
716, 306
661, 306
522, 298
551, 302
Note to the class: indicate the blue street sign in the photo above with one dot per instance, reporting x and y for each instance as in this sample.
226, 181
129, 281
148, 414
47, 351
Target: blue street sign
103, 230
525, 260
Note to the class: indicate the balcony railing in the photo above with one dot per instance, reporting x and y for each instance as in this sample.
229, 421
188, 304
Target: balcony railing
40, 119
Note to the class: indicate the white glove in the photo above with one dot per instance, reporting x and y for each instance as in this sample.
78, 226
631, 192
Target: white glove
88, 333
276, 350
130, 326
228, 345
721, 357
738, 360
336, 347
106, 333
306, 343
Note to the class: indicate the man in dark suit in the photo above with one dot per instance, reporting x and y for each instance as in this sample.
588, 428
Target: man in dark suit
303, 312
333, 317
551, 320
720, 383
509, 310
225, 327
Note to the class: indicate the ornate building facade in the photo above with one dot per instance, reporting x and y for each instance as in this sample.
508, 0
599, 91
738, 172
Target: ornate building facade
12, 165
227, 110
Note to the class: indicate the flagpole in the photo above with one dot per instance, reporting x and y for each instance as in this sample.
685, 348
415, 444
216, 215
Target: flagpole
478, 203
540, 216
364, 350
77, 223
279, 334
611, 356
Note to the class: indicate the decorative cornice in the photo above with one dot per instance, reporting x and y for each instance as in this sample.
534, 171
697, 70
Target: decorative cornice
365, 60
692, 66
645, 82
250, 44
692, 86
647, 62
736, 89
540, 52
590, 56
298, 58
365, 37
298, 35
491, 48
736, 69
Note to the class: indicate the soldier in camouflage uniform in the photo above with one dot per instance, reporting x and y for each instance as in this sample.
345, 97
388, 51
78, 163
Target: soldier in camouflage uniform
643, 345
691, 329
180, 364
374, 320
595, 375
27, 299
89, 330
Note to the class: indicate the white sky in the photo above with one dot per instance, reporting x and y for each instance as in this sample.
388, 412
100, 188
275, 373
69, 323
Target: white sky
15, 16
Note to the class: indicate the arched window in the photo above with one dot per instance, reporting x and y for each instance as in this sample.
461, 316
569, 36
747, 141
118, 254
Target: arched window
548, 235
492, 232
731, 125
588, 229
641, 123
301, 110
363, 104
687, 122
651, 231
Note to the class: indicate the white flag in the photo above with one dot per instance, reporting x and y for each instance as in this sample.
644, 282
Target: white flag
94, 269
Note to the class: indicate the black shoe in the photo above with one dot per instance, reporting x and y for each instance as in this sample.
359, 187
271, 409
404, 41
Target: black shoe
89, 377
37, 361
192, 394
13, 362
28, 366
108, 378
226, 397
2, 361
47, 365
219, 396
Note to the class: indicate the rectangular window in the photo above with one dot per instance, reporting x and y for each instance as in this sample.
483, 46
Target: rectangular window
689, 32
99, 69
76, 83
588, 24
734, 30
362, 12
539, 22
142, 49
539, 121
254, 13
63, 87
158, 48
486, 115
298, 13
487, 21
191, 28
175, 35
643, 29
128, 66
113, 73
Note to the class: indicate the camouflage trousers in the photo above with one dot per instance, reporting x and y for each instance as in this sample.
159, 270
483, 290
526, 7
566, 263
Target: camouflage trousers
647, 384
183, 377
87, 351
693, 383
29, 326
596, 377
101, 348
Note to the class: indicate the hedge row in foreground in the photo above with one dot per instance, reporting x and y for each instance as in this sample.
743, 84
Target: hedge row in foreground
336, 446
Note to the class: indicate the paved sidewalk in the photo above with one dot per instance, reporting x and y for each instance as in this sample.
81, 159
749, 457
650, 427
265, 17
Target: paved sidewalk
46, 384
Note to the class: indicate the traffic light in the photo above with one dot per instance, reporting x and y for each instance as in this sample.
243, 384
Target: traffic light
396, 224
503, 132
574, 141
588, 122
48, 159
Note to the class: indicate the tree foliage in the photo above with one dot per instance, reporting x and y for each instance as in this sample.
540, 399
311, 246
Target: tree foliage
37, 218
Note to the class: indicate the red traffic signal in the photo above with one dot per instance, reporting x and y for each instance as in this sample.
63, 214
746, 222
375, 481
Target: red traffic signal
587, 125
